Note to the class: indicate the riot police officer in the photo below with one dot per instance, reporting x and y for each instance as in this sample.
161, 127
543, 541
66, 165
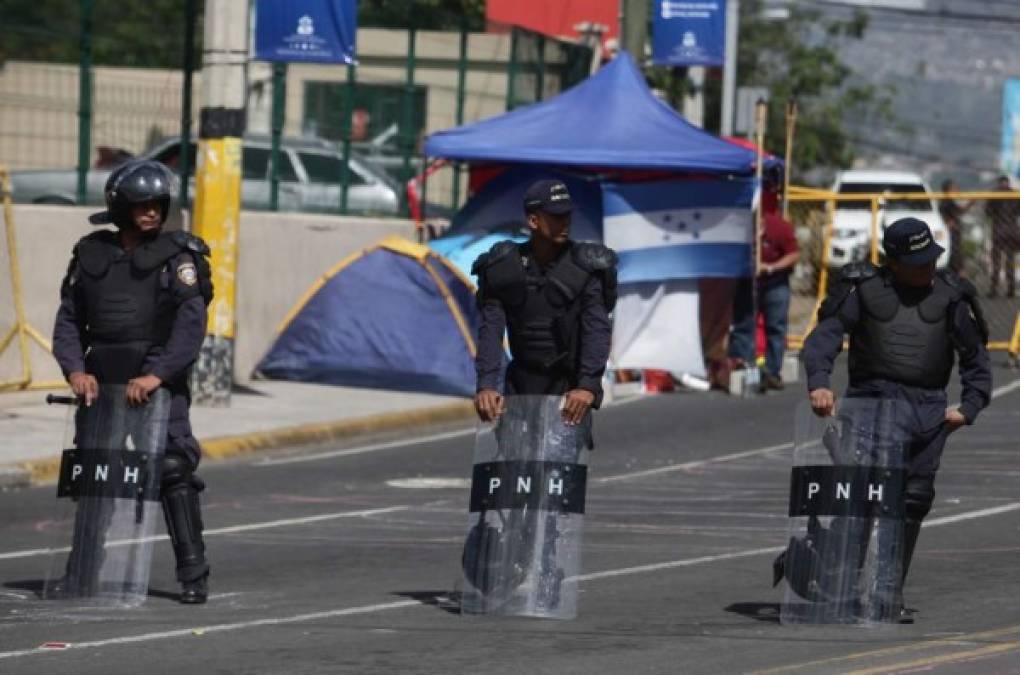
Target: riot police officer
906, 321
554, 295
163, 280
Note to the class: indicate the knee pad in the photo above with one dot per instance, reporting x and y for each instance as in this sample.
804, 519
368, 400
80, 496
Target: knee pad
175, 470
919, 495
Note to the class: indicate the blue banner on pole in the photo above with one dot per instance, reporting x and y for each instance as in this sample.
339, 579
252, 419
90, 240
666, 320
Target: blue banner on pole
689, 32
316, 31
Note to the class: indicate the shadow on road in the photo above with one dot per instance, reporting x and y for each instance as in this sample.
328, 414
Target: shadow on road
34, 586
760, 611
448, 601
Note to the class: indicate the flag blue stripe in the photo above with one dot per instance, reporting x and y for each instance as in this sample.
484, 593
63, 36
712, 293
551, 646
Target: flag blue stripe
623, 198
685, 261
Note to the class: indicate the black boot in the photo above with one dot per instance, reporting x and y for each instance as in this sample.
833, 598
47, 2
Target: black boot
911, 531
184, 524
195, 592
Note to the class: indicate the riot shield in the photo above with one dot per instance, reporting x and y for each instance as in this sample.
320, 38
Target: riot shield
844, 561
108, 501
523, 549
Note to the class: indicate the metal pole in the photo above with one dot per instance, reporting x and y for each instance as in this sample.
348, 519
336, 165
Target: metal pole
218, 188
348, 125
84, 101
761, 111
423, 200
20, 324
462, 66
621, 36
873, 255
729, 87
511, 70
184, 160
540, 69
791, 127
408, 132
279, 108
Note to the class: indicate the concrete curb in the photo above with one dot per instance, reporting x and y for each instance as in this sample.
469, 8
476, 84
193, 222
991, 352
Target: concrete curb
46, 470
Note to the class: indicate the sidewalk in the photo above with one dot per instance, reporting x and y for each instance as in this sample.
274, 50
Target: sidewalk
267, 414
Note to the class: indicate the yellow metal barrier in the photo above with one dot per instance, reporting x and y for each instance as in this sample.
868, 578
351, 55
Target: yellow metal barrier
814, 215
21, 329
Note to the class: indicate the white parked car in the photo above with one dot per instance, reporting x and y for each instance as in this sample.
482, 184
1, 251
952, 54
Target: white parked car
309, 178
851, 235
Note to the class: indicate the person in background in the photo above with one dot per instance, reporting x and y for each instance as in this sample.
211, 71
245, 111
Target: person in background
1004, 216
952, 213
779, 254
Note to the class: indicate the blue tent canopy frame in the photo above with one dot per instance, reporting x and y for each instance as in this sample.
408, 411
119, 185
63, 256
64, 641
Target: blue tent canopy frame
610, 120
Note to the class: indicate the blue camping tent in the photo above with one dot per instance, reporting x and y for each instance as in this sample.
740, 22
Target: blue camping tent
393, 316
609, 120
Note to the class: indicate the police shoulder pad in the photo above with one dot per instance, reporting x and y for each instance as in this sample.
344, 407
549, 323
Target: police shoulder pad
857, 272
94, 251
594, 257
957, 283
498, 251
190, 242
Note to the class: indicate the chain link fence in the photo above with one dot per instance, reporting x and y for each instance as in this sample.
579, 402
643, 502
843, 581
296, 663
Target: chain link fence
836, 229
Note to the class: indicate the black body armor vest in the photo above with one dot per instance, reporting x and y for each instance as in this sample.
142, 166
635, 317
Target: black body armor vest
543, 310
128, 309
903, 338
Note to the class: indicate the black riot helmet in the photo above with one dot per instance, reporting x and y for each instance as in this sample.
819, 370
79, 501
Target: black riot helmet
136, 182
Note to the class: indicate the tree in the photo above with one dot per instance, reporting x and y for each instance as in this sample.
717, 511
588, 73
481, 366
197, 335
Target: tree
797, 59
143, 34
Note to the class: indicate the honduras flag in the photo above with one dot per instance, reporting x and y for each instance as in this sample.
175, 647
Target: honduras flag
680, 229
668, 235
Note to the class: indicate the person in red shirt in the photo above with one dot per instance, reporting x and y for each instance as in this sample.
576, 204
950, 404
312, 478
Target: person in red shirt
779, 254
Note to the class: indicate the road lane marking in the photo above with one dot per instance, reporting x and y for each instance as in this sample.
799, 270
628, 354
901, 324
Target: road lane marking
233, 529
971, 515
941, 660
375, 447
221, 628
914, 645
367, 609
671, 468
655, 567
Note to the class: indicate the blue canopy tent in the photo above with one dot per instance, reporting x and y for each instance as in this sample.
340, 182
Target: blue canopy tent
609, 128
393, 316
610, 120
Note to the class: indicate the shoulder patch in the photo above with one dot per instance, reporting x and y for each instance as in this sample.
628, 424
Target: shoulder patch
187, 274
594, 257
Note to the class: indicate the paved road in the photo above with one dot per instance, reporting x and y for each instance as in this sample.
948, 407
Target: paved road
323, 563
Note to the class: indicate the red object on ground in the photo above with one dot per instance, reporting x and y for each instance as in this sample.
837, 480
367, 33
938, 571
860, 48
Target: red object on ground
658, 382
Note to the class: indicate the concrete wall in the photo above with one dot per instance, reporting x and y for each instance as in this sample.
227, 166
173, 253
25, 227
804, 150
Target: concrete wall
280, 256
